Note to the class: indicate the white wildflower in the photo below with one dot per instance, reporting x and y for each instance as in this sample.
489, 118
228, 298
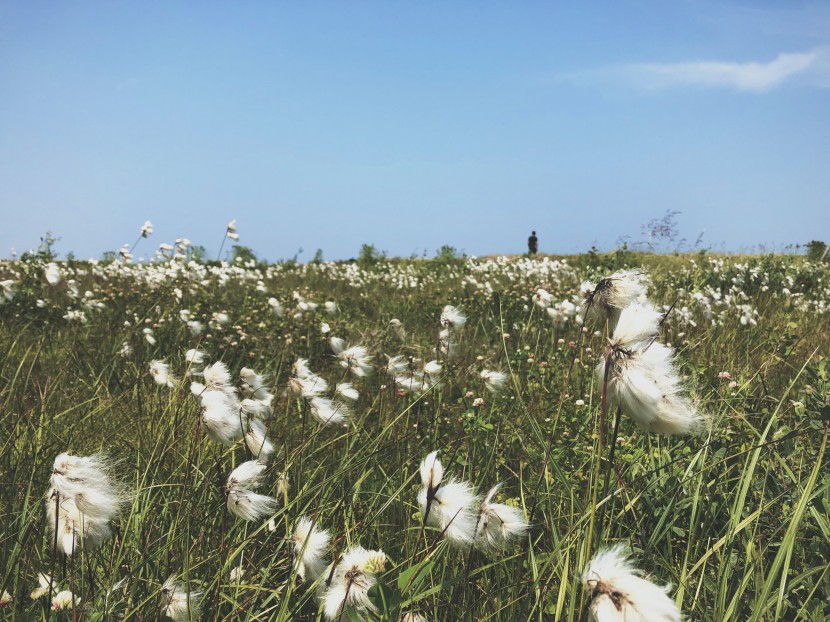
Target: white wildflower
65, 600
329, 411
179, 604
353, 577
452, 318
493, 380
499, 525
447, 505
81, 502
44, 583
347, 390
310, 545
52, 273
276, 308
642, 378
241, 499
219, 414
161, 374
619, 593
614, 293
357, 360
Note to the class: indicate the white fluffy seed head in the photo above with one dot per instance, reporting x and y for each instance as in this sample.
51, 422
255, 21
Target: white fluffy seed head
351, 581
493, 380
217, 377
499, 526
638, 325
452, 318
452, 509
219, 415
310, 545
615, 292
432, 472
347, 391
618, 592
329, 412
648, 389
161, 374
250, 506
247, 474
257, 441
179, 604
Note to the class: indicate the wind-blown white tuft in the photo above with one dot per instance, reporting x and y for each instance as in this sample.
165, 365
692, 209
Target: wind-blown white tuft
542, 298
452, 321
432, 471
241, 499
614, 293
52, 273
452, 318
219, 415
433, 369
639, 323
253, 385
310, 544
257, 441
347, 390
195, 357
448, 506
179, 604
161, 374
306, 383
499, 526
65, 600
276, 308
619, 594
218, 378
8, 288
81, 502
357, 360
329, 411
642, 379
493, 380
45, 582
261, 409
352, 579
397, 365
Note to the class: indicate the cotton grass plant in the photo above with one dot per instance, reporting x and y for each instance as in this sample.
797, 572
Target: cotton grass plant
730, 518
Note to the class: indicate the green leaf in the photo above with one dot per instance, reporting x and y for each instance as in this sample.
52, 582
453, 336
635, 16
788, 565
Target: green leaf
413, 576
387, 600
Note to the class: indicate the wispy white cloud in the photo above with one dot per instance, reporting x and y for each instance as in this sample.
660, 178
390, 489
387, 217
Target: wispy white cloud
811, 68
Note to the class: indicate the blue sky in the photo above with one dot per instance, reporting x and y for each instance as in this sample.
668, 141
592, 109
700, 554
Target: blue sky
412, 125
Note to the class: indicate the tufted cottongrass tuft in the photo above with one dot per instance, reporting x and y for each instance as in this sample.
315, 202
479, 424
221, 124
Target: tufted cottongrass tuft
242, 501
178, 604
618, 593
310, 545
81, 501
352, 579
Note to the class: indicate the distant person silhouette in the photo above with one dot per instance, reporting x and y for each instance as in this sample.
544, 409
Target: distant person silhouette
532, 243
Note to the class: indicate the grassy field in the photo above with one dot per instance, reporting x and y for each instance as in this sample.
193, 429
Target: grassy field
736, 519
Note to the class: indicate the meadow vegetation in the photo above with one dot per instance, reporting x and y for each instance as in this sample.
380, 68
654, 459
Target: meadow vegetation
735, 518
